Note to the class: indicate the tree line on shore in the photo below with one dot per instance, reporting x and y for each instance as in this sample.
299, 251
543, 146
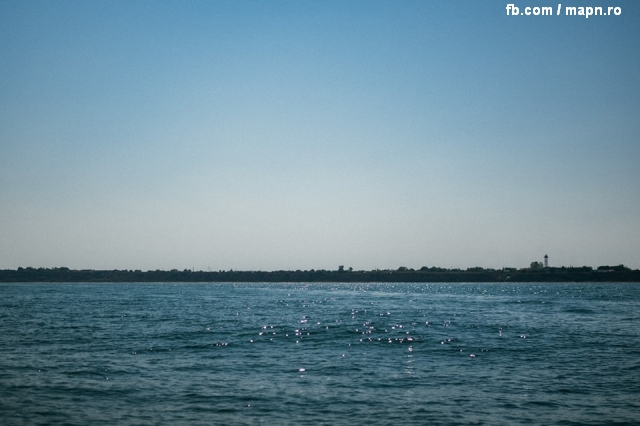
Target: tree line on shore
619, 273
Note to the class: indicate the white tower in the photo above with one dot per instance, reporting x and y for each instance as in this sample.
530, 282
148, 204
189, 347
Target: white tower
546, 261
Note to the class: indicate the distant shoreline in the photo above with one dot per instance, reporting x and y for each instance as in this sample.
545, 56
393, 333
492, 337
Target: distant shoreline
424, 275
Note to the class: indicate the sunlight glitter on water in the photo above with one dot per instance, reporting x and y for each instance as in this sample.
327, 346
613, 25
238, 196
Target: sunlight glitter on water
198, 349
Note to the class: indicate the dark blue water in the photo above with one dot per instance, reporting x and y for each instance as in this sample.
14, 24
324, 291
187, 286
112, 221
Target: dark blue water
141, 354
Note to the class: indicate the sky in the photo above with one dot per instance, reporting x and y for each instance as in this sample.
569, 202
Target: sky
270, 135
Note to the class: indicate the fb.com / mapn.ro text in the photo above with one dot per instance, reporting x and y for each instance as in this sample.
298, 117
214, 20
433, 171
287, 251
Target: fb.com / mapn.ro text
585, 11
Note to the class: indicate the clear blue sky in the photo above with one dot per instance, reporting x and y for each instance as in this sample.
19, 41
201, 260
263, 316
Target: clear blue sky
311, 134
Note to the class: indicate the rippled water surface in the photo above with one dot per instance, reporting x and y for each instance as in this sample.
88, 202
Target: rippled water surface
141, 354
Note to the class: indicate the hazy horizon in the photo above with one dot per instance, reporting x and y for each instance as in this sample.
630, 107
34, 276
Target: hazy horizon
287, 135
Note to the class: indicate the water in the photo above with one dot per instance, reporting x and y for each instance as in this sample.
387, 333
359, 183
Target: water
278, 354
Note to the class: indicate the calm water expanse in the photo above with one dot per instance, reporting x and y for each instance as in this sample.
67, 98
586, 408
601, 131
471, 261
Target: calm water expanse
375, 354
